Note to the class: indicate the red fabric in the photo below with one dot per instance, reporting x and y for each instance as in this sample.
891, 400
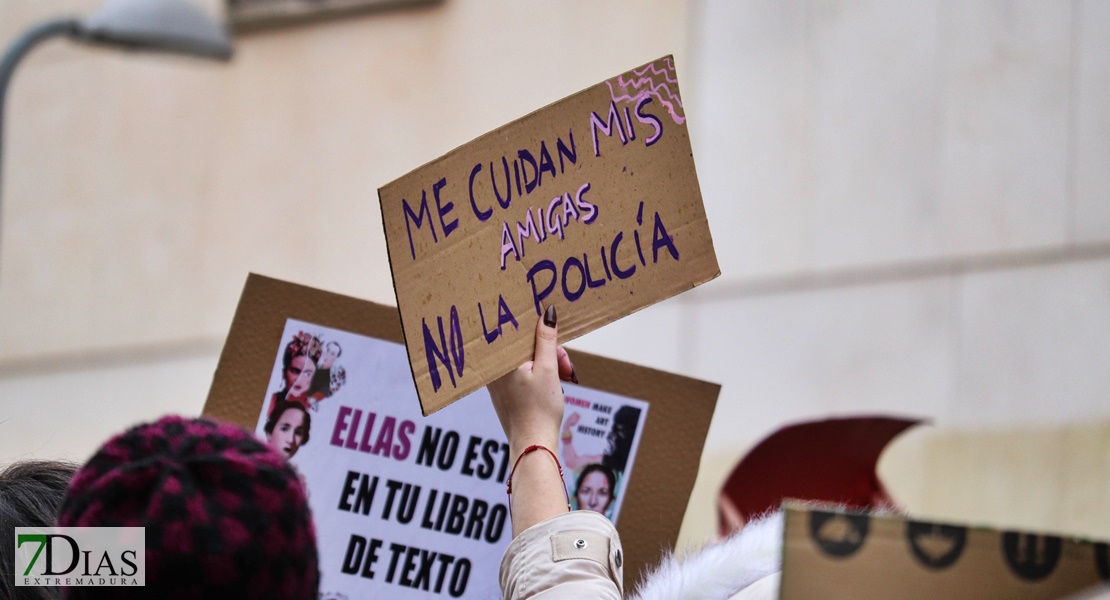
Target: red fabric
832, 460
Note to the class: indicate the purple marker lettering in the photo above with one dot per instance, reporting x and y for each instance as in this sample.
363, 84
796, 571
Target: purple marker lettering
436, 353
570, 154
538, 296
662, 239
590, 210
482, 215
508, 199
526, 160
636, 233
541, 231
507, 245
554, 225
607, 127
577, 264
613, 259
458, 349
489, 335
649, 119
594, 283
504, 315
546, 164
516, 173
443, 209
570, 210
526, 230
418, 218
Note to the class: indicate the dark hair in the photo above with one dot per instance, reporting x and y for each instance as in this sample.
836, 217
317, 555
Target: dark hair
604, 470
291, 350
279, 409
287, 360
302, 344
626, 419
31, 493
337, 354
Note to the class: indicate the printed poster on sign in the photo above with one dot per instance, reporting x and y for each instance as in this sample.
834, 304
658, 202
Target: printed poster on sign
408, 506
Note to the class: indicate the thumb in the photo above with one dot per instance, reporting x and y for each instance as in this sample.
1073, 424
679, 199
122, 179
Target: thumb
547, 341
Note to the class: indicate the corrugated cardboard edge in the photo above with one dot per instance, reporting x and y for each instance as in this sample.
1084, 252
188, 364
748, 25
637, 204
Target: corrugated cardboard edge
666, 466
500, 129
400, 323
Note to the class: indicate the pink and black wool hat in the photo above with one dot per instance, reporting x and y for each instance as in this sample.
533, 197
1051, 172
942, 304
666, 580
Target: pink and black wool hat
225, 515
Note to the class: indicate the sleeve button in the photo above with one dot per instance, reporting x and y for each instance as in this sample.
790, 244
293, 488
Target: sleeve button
618, 559
580, 544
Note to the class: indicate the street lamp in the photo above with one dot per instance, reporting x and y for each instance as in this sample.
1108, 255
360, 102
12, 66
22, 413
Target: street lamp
172, 26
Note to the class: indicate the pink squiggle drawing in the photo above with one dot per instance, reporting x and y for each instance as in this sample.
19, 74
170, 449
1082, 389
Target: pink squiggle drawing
642, 84
655, 91
666, 73
640, 78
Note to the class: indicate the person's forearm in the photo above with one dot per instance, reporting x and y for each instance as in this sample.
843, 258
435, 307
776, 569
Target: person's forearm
537, 486
572, 460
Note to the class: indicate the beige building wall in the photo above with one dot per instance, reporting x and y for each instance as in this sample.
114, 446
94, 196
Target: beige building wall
910, 204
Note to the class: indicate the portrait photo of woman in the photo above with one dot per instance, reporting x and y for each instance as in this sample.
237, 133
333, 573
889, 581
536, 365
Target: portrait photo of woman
596, 488
298, 369
301, 371
287, 428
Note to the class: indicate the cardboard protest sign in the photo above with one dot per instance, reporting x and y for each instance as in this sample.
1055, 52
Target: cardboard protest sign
407, 506
591, 204
839, 555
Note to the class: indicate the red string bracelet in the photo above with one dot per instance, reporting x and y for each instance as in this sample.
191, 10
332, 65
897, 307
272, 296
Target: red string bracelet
533, 448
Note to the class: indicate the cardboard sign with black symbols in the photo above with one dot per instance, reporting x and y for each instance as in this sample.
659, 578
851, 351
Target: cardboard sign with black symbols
836, 555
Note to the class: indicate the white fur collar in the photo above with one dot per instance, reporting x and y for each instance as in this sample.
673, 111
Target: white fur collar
719, 570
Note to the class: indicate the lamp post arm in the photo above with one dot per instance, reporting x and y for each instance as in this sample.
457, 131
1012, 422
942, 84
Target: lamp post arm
68, 26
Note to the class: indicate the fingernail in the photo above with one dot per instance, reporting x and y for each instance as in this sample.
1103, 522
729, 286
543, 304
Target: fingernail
549, 317
573, 375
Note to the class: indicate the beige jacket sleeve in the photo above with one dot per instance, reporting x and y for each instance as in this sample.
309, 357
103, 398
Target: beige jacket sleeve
572, 555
